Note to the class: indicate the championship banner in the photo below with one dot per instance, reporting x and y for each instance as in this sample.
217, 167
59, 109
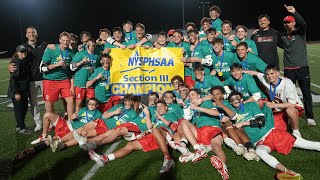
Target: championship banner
141, 71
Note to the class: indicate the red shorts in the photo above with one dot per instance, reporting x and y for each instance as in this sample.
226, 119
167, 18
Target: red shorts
206, 133
82, 93
101, 126
188, 81
281, 118
148, 143
53, 89
61, 127
130, 126
279, 140
114, 100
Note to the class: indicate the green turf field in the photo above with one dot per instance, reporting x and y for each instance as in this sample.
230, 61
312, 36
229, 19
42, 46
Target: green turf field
74, 163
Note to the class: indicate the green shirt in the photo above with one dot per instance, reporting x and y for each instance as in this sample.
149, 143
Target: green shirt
251, 44
200, 51
85, 116
201, 119
175, 108
83, 72
135, 41
140, 122
248, 113
54, 56
246, 86
252, 62
227, 45
130, 35
186, 54
126, 115
171, 117
217, 24
111, 123
209, 81
223, 63
102, 89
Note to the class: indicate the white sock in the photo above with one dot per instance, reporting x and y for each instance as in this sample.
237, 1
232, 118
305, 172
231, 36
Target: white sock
168, 137
197, 146
111, 157
184, 141
306, 144
263, 152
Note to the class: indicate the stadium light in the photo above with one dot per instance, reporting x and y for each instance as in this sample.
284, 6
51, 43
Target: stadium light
203, 5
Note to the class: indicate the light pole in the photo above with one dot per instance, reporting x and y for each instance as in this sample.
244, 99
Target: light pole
204, 4
183, 22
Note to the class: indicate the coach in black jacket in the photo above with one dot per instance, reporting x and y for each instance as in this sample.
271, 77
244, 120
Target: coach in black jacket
295, 57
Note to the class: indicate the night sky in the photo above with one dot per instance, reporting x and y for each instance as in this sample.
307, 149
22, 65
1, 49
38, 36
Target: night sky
50, 17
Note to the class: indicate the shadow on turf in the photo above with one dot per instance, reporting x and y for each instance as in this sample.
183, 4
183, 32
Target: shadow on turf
60, 170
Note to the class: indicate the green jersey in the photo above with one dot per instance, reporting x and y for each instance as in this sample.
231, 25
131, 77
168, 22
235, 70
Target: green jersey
111, 123
251, 44
83, 72
201, 119
171, 117
130, 35
51, 56
223, 63
140, 122
175, 108
152, 110
102, 89
227, 45
248, 112
217, 24
252, 62
200, 51
209, 81
246, 86
126, 115
85, 116
136, 40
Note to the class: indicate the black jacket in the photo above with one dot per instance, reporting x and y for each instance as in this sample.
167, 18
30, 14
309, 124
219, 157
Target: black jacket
20, 79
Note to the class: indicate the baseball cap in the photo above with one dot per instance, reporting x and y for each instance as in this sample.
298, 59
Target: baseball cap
21, 48
289, 19
171, 31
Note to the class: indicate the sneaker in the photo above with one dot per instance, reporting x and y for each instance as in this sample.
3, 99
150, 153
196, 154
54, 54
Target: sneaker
230, 143
56, 145
179, 147
220, 167
251, 155
288, 175
97, 158
206, 148
198, 155
311, 122
17, 129
80, 139
38, 127
240, 150
88, 146
26, 131
167, 165
186, 157
39, 139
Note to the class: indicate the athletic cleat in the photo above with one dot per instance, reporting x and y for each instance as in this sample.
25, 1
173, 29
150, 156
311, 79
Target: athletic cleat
311, 122
26, 131
56, 145
182, 149
251, 155
220, 167
167, 165
39, 139
288, 175
80, 139
49, 139
207, 148
37, 128
230, 143
186, 157
88, 146
198, 155
98, 158
17, 129
240, 150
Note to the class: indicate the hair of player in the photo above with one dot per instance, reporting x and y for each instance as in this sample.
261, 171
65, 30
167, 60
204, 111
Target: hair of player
170, 92
195, 90
106, 30
105, 56
177, 77
192, 31
211, 30
244, 44
243, 27
64, 34
178, 31
84, 33
93, 99
161, 102
235, 66
184, 86
140, 25
127, 22
227, 22
234, 93
192, 24
215, 8
205, 20
31, 27
219, 88
162, 33
154, 94
129, 97
272, 67
198, 67
217, 40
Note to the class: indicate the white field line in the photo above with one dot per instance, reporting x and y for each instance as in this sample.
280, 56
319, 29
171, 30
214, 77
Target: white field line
95, 168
